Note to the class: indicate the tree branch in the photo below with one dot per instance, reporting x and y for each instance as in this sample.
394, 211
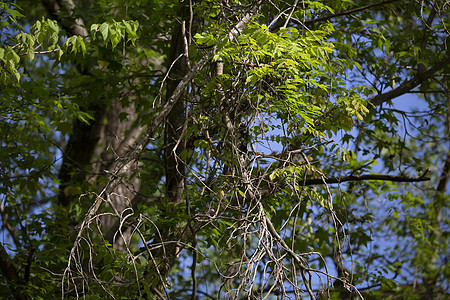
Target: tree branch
12, 231
298, 259
317, 181
342, 179
407, 86
348, 12
282, 21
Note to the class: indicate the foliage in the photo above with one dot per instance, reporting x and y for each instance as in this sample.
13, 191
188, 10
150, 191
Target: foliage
223, 149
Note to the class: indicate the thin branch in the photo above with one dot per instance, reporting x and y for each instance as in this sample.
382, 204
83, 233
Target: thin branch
41, 52
290, 14
12, 231
348, 12
298, 259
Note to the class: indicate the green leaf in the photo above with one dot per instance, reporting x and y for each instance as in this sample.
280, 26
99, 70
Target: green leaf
94, 28
81, 45
12, 56
17, 75
104, 30
14, 13
30, 54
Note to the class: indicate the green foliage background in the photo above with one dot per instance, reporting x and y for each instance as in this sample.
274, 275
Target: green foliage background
299, 174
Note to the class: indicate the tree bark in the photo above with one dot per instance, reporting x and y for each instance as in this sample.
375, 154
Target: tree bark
174, 145
11, 274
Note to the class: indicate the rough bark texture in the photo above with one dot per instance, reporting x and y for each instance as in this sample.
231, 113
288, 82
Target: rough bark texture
112, 148
175, 144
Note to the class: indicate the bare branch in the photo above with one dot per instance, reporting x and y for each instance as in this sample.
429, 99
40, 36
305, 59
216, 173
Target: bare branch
351, 178
348, 12
365, 177
298, 259
407, 86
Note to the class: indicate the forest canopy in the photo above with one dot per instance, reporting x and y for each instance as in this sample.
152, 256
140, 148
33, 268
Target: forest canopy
224, 149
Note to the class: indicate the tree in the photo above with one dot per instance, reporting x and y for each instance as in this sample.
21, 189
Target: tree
223, 149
